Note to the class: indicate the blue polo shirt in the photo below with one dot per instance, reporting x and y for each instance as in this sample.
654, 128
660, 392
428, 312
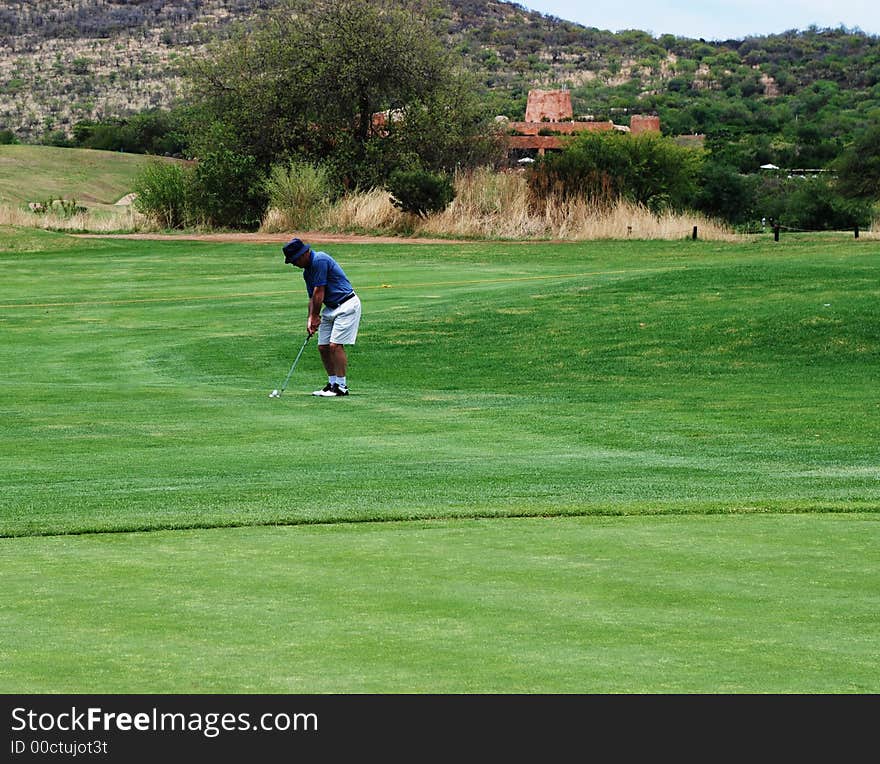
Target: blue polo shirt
324, 271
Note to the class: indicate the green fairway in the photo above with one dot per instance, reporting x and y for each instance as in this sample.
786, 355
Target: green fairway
570, 384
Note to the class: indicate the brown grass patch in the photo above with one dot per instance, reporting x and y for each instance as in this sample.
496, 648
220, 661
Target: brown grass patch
496, 205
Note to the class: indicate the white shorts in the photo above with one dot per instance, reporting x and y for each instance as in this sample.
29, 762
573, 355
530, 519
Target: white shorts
340, 325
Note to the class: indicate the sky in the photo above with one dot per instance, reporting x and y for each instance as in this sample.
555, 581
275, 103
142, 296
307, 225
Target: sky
715, 19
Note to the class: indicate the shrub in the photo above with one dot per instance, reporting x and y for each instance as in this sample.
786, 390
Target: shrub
150, 132
227, 190
420, 192
299, 193
859, 167
647, 169
161, 189
811, 204
727, 194
816, 205
56, 138
102, 136
63, 209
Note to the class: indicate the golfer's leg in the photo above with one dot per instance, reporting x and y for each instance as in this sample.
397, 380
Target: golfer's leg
327, 358
325, 329
339, 360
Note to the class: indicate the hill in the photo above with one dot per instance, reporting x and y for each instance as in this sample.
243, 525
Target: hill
97, 179
70, 60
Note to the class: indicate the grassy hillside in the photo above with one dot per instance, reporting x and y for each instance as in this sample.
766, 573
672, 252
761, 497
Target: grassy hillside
63, 62
95, 179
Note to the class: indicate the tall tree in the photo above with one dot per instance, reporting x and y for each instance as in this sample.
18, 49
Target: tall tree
858, 168
307, 79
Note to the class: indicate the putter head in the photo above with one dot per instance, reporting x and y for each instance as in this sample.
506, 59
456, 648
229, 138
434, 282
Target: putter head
275, 394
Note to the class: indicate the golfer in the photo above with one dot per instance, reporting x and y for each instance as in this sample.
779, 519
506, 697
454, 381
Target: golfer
337, 325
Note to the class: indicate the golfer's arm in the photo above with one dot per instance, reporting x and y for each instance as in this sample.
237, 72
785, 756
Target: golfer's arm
316, 302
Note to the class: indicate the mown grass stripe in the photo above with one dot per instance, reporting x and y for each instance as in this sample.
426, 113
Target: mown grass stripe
860, 509
240, 295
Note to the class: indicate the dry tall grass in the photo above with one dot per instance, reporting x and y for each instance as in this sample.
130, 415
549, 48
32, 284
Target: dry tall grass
487, 205
370, 211
125, 219
496, 205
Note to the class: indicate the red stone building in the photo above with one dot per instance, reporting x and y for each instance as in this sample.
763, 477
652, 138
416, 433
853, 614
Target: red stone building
549, 106
550, 119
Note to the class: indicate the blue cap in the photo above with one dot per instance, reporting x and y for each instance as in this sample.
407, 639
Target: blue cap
294, 249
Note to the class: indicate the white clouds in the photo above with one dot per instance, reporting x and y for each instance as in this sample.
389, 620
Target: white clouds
716, 19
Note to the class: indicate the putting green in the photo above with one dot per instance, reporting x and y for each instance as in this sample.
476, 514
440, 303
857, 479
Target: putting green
614, 604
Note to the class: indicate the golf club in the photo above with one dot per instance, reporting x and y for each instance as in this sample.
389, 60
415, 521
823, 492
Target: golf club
277, 393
